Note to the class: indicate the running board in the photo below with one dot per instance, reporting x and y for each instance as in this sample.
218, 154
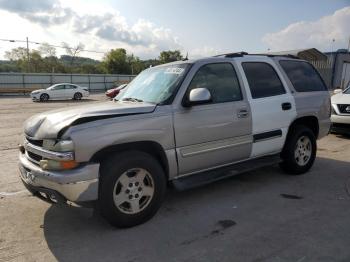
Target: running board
203, 178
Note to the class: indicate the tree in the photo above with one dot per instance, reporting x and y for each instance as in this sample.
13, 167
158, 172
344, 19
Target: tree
46, 50
73, 51
170, 56
20, 57
135, 63
115, 62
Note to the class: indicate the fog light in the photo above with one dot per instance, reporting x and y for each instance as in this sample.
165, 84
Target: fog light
57, 165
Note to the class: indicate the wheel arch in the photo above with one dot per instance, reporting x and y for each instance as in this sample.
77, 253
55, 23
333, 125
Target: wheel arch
309, 121
151, 147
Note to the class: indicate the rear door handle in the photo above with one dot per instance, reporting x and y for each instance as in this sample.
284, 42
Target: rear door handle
242, 113
286, 106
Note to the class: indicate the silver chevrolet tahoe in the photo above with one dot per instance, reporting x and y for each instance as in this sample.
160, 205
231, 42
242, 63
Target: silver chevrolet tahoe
184, 124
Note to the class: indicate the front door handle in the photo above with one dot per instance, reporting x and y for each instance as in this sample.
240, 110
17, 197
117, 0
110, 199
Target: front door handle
286, 106
242, 113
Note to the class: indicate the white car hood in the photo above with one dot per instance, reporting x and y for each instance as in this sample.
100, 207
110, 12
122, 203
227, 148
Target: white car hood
341, 98
49, 124
39, 90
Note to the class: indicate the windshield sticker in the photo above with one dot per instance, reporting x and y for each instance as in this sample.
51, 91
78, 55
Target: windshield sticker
174, 70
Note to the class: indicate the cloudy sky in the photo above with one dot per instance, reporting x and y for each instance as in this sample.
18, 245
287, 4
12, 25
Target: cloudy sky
199, 27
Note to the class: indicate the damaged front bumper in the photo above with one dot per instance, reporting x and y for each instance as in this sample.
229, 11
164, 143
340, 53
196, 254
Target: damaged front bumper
76, 185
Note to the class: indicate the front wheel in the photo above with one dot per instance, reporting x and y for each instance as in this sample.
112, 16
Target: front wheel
77, 96
44, 97
132, 188
299, 152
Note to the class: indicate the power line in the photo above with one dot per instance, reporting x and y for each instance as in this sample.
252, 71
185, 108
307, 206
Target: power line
57, 46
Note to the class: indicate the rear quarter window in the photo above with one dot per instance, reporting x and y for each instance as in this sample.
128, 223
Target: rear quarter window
303, 76
262, 79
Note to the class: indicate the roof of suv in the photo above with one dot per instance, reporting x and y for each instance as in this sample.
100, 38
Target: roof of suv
231, 55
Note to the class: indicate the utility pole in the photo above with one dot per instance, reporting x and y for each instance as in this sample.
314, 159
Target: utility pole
28, 56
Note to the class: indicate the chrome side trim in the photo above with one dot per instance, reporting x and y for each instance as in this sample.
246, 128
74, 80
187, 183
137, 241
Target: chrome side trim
215, 145
48, 154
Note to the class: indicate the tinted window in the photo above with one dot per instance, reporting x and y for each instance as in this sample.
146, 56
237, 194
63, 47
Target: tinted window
221, 81
58, 87
303, 76
70, 87
263, 80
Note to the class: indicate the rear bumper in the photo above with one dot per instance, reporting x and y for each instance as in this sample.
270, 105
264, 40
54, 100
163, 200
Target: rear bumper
76, 185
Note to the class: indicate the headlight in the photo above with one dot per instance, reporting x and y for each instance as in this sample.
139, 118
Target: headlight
58, 146
35, 92
48, 164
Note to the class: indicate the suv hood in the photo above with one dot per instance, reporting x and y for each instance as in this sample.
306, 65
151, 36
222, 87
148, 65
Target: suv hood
49, 124
341, 98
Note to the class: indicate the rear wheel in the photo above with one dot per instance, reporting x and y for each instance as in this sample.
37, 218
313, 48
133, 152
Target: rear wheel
132, 188
299, 152
77, 96
44, 97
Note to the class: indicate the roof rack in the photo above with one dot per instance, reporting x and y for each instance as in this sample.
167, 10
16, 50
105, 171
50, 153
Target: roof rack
242, 53
236, 54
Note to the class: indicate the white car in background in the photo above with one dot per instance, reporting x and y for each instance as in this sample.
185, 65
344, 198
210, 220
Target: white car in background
341, 111
60, 91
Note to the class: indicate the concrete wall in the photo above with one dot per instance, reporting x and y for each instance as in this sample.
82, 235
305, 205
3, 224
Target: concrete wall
26, 82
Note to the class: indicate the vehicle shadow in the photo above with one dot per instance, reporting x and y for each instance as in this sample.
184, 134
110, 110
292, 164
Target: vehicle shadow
239, 217
344, 136
84, 100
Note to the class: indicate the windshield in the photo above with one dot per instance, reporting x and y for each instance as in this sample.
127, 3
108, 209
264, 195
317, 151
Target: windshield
154, 85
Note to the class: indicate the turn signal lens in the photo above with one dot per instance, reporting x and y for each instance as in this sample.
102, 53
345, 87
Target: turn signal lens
57, 165
68, 164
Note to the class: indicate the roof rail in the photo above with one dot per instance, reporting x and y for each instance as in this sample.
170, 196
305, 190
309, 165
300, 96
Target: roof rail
277, 55
242, 53
236, 54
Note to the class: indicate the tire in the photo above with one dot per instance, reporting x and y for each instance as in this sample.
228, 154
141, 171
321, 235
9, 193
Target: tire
44, 97
121, 202
299, 152
77, 96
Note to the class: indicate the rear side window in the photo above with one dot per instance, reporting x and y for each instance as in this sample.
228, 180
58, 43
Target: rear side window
303, 76
263, 80
221, 81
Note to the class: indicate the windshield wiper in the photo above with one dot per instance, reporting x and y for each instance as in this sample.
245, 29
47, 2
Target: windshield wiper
132, 99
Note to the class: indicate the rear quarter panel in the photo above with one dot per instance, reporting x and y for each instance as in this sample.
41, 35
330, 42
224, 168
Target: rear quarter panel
316, 104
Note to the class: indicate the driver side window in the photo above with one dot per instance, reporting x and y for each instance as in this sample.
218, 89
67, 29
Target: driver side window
58, 87
221, 81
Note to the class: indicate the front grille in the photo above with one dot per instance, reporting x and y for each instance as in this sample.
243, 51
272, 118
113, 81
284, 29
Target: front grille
35, 141
34, 156
344, 108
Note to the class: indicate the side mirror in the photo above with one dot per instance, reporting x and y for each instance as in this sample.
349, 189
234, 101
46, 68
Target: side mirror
336, 91
198, 96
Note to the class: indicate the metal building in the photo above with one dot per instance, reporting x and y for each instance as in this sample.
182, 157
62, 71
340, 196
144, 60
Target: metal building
334, 67
340, 76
